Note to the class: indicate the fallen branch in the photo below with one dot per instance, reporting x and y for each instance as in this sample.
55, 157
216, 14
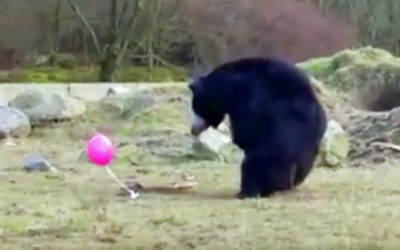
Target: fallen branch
386, 145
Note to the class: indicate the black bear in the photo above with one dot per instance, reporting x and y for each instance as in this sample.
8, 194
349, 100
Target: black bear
275, 117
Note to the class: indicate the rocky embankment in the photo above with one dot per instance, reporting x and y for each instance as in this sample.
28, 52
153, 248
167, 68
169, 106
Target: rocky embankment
359, 89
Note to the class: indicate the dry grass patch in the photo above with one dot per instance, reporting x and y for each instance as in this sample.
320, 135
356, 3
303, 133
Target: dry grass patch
347, 209
78, 209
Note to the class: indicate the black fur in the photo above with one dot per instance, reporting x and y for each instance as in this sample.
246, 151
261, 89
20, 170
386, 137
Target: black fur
275, 117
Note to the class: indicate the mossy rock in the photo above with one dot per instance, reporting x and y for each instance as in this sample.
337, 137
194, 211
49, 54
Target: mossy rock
370, 76
325, 67
79, 74
352, 69
365, 74
319, 67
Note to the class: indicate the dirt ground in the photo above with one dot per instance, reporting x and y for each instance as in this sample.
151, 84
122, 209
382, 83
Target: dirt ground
77, 208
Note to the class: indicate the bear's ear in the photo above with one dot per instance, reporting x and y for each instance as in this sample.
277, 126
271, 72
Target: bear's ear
195, 86
195, 75
191, 86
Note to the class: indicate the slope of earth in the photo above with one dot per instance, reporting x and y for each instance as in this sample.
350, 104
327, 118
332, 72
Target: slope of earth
77, 207
367, 81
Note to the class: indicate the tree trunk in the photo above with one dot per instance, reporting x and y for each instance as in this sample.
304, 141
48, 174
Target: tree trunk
109, 67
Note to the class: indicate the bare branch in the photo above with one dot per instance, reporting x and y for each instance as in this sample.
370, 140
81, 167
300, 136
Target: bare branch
135, 20
75, 10
123, 13
114, 15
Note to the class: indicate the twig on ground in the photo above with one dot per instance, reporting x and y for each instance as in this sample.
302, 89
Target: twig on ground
386, 145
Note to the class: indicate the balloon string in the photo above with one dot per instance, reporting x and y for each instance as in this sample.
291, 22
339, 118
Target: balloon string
133, 194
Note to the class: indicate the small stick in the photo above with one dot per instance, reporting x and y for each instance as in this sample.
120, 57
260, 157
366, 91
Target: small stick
386, 145
133, 193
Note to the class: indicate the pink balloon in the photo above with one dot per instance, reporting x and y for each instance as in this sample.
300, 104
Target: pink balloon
100, 150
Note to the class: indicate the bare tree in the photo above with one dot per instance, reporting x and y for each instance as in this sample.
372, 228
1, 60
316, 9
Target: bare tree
290, 29
50, 23
159, 20
111, 54
132, 25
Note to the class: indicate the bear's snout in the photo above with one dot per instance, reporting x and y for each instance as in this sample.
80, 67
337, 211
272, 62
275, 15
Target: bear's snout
198, 125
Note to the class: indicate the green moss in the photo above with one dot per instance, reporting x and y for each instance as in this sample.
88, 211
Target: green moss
352, 69
159, 74
128, 74
319, 67
365, 74
51, 75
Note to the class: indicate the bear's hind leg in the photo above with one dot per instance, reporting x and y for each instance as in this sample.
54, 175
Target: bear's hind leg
279, 181
277, 177
304, 166
263, 176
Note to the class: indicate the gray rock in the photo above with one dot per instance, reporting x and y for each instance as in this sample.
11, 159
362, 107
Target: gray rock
211, 143
118, 90
127, 105
335, 146
41, 107
13, 123
35, 162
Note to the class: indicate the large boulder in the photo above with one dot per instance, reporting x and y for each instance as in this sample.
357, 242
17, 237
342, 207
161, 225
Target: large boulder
369, 75
327, 96
42, 108
122, 103
13, 123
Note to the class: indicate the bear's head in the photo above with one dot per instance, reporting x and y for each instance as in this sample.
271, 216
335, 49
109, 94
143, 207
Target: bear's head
209, 105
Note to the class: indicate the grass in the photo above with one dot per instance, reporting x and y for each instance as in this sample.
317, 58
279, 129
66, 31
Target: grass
90, 75
78, 209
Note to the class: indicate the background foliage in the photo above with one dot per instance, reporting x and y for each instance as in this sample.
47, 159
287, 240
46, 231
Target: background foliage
112, 34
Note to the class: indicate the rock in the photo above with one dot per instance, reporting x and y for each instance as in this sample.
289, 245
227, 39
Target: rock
41, 107
349, 62
13, 123
335, 147
118, 90
127, 105
35, 162
3, 102
369, 75
211, 143
368, 125
327, 96
394, 117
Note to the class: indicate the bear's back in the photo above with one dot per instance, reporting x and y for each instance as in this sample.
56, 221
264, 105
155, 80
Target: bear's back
266, 94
